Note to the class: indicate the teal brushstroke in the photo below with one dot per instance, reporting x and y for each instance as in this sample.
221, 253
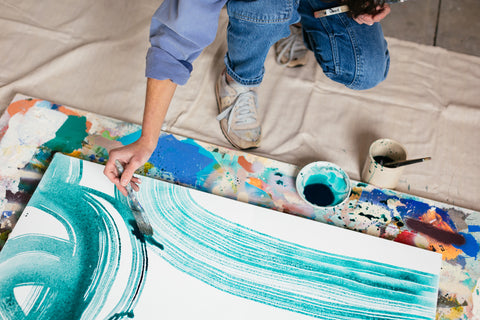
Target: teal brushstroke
69, 136
130, 138
76, 275
73, 276
323, 285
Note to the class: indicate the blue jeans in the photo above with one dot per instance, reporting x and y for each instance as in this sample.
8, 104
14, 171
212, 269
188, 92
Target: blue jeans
349, 53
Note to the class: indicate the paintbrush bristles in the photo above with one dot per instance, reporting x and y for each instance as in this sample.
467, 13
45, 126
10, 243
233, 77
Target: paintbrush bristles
143, 226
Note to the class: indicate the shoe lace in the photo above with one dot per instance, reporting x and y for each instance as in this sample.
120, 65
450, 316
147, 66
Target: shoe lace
291, 46
244, 109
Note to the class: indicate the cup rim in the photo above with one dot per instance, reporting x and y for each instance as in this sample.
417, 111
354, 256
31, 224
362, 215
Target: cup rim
391, 141
299, 185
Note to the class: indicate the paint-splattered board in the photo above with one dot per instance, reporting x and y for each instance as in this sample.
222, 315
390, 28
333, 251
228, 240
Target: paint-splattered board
32, 130
76, 253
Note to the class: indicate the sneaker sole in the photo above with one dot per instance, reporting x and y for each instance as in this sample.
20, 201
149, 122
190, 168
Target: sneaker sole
219, 107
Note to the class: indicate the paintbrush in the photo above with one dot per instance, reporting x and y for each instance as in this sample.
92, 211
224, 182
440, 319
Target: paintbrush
137, 209
343, 8
401, 163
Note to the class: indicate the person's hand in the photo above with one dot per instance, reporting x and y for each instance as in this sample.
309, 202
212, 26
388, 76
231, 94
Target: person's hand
131, 157
371, 19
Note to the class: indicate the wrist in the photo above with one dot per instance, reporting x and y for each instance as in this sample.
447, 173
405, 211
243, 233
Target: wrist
149, 143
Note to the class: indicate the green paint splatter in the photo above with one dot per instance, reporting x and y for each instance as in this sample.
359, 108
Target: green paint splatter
70, 135
106, 135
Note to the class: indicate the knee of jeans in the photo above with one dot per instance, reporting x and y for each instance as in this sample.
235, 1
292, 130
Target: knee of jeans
362, 76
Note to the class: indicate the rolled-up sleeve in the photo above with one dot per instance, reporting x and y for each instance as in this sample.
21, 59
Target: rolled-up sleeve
179, 31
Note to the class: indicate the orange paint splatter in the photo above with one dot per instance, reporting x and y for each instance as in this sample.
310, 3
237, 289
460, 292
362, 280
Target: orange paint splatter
256, 182
76, 154
356, 193
21, 106
67, 111
245, 164
448, 251
436, 220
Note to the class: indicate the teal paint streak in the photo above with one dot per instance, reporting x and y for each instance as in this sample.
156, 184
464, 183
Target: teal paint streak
205, 246
74, 275
77, 274
70, 135
130, 138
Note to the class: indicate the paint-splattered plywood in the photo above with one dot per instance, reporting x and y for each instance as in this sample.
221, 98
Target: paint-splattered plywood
33, 130
76, 253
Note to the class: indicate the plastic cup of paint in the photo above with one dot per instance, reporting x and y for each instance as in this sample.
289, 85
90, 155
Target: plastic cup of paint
323, 184
381, 152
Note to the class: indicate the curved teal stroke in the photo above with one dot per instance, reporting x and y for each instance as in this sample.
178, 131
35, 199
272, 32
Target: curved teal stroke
70, 278
256, 266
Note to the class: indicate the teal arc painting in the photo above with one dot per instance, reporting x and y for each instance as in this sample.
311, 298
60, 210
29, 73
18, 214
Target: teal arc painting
76, 253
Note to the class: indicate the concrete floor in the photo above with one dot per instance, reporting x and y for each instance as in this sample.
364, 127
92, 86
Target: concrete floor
450, 24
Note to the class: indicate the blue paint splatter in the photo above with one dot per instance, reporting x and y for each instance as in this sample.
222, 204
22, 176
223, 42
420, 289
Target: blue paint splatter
407, 208
182, 158
461, 260
470, 247
473, 228
43, 104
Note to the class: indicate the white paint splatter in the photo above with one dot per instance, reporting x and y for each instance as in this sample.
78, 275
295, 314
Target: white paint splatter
476, 301
26, 132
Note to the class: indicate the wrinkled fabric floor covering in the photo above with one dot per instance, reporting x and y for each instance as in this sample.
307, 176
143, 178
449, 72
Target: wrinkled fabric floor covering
91, 55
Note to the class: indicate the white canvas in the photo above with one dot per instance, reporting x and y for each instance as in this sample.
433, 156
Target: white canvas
76, 253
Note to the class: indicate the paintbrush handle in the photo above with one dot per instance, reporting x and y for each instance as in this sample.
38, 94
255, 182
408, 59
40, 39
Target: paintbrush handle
137, 209
128, 187
401, 163
343, 8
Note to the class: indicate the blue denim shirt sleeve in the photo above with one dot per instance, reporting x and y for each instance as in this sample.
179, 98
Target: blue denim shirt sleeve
179, 31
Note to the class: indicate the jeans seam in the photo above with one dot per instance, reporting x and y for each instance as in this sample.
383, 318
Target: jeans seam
251, 83
333, 44
287, 16
263, 21
356, 53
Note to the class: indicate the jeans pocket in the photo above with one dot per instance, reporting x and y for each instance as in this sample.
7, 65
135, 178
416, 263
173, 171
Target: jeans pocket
262, 11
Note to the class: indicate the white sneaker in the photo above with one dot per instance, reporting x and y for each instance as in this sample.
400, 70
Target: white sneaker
237, 105
291, 51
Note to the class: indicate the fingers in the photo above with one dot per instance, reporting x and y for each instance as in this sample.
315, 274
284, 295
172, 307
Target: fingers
136, 180
135, 186
128, 171
384, 11
131, 157
371, 19
112, 174
364, 19
122, 189
111, 171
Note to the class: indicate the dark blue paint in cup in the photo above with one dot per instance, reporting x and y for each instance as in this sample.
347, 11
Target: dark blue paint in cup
323, 184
